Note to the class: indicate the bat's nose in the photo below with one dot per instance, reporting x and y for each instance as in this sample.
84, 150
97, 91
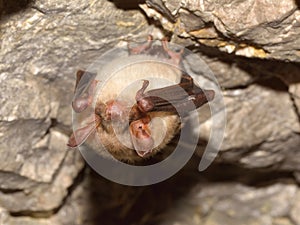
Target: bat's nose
141, 136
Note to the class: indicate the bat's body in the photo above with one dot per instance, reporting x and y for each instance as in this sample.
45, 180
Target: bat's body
136, 111
167, 124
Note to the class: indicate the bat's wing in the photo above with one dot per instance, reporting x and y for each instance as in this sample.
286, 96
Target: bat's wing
181, 98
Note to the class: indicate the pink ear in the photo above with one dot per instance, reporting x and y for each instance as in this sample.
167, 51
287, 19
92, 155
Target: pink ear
80, 103
141, 138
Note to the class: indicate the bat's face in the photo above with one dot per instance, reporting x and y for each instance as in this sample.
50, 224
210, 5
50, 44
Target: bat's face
136, 112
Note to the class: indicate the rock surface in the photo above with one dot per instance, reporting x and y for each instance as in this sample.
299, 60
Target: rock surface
252, 47
42, 46
262, 29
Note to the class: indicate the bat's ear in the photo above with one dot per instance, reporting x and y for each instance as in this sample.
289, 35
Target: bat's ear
141, 138
84, 96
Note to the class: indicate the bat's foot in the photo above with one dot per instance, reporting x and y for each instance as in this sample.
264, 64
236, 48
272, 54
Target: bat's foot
175, 57
142, 48
160, 51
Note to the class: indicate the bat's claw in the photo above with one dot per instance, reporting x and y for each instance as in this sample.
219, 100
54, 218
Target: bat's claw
142, 48
140, 93
175, 56
142, 101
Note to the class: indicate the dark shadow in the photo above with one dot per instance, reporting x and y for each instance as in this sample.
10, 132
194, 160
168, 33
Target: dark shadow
138, 205
273, 83
118, 204
297, 3
8, 7
258, 68
127, 5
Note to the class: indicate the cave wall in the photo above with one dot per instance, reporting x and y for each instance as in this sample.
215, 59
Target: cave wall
252, 47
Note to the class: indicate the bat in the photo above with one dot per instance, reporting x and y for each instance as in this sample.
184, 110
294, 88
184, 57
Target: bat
148, 125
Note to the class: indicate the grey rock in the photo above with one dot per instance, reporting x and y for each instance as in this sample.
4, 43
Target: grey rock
297, 176
15, 148
234, 204
43, 45
267, 134
23, 97
4, 216
294, 89
28, 221
282, 221
46, 196
263, 29
296, 209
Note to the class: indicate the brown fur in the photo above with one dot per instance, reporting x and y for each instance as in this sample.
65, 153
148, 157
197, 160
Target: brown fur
165, 125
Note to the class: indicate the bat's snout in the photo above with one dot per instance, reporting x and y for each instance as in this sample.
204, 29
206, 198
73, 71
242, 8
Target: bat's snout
142, 140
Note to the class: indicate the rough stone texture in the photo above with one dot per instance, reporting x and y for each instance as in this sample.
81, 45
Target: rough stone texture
44, 42
267, 134
195, 199
42, 46
255, 28
236, 204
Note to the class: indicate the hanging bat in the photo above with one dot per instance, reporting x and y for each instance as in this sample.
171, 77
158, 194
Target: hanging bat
148, 125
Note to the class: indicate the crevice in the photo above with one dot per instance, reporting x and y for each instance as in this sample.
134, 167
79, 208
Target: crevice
291, 220
49, 213
33, 214
44, 12
10, 191
247, 176
238, 87
230, 39
53, 123
293, 100
259, 69
273, 83
127, 5
8, 7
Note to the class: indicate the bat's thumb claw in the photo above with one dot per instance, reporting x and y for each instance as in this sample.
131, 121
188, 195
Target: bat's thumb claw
209, 94
140, 92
